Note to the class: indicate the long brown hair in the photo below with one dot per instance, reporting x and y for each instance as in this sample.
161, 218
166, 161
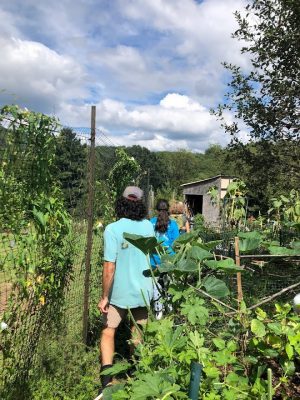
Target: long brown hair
163, 219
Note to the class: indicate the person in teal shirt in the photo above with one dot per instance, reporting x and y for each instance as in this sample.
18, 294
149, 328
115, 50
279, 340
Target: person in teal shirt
126, 282
166, 231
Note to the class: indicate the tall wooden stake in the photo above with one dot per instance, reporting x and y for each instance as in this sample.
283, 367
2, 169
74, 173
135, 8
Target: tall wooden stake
238, 275
90, 217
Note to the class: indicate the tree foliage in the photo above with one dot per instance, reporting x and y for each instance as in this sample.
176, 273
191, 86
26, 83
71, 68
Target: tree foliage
266, 98
71, 161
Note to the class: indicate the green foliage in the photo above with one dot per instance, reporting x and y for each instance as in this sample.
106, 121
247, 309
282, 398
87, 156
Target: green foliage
124, 172
27, 163
12, 207
249, 241
65, 370
199, 222
286, 208
213, 192
40, 259
235, 202
146, 244
266, 98
234, 348
71, 166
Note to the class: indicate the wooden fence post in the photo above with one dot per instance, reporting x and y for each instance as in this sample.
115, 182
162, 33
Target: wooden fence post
238, 275
90, 217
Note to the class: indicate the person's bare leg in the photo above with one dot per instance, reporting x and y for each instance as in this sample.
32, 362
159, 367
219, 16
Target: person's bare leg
107, 346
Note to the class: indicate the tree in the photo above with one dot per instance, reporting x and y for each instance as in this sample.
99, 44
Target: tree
153, 172
267, 99
71, 164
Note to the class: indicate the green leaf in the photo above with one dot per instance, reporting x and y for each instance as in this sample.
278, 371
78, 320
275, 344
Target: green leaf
288, 367
296, 245
226, 265
224, 357
249, 240
196, 313
199, 254
270, 353
116, 368
219, 343
258, 328
232, 345
209, 245
186, 266
110, 390
166, 264
196, 339
277, 250
186, 237
289, 351
261, 314
275, 327
215, 287
211, 372
153, 386
146, 244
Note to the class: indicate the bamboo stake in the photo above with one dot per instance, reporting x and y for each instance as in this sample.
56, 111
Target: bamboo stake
238, 275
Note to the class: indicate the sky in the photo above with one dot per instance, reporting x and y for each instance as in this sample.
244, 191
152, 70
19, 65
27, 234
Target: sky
152, 67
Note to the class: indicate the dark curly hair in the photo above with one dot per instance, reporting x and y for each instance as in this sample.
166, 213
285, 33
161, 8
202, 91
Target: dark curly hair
135, 210
163, 219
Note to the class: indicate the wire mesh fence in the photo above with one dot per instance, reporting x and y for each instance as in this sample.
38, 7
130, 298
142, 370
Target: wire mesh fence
44, 170
264, 275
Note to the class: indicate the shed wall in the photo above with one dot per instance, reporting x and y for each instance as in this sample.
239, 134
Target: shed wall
210, 212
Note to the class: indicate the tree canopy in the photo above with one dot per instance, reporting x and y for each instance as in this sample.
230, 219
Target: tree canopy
265, 98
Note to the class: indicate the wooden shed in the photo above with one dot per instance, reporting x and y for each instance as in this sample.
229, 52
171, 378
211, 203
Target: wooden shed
199, 202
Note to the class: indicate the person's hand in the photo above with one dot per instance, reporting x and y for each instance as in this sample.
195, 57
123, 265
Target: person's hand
103, 305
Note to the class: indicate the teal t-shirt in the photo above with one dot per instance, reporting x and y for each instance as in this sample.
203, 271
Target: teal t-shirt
132, 269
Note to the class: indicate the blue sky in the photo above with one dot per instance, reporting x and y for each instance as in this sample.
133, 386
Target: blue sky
152, 67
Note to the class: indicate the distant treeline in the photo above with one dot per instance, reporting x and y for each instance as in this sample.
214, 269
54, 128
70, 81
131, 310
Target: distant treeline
267, 168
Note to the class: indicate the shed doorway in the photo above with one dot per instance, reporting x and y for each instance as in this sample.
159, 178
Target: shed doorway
195, 203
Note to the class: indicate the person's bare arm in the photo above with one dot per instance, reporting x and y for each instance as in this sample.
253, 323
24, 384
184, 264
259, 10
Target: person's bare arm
187, 226
107, 280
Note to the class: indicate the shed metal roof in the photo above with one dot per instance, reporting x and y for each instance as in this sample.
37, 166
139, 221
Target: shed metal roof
208, 179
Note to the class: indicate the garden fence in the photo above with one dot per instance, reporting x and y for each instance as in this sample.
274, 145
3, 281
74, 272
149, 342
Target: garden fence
26, 322
263, 276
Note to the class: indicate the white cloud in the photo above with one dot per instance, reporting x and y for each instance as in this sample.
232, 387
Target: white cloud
157, 142
38, 77
176, 121
153, 67
175, 113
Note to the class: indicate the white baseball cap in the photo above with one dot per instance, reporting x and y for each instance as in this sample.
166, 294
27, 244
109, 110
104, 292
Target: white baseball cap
133, 193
